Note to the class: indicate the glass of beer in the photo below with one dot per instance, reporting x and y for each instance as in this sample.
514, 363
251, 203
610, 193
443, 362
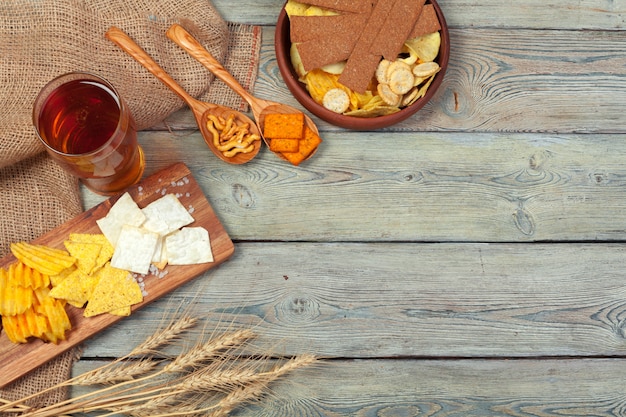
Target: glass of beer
87, 128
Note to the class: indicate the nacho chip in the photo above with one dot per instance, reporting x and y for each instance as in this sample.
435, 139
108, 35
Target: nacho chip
86, 254
106, 251
116, 289
189, 245
58, 278
122, 311
76, 288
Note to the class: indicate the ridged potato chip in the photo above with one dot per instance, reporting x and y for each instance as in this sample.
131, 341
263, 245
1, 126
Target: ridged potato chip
14, 299
47, 260
45, 319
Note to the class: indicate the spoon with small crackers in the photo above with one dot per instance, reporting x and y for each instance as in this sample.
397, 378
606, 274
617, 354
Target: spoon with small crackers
231, 135
287, 131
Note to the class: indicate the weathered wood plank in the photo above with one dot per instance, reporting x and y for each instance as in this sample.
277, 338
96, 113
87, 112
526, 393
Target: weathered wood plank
443, 388
414, 187
503, 80
536, 14
406, 300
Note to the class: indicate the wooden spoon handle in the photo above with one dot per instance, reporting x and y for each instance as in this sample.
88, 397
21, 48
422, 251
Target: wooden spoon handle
125, 42
184, 39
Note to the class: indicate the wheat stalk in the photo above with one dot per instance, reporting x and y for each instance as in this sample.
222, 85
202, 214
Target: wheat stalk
117, 373
209, 350
166, 336
206, 378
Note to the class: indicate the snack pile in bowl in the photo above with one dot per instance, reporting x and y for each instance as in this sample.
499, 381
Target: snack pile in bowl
362, 64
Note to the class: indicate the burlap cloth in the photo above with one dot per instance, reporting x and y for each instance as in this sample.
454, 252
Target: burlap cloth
40, 39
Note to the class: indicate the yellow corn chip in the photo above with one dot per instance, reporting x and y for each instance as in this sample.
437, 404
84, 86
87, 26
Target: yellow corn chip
122, 311
86, 254
58, 278
76, 288
116, 288
106, 251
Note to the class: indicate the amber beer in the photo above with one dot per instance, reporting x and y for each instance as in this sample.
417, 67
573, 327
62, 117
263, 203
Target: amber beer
87, 128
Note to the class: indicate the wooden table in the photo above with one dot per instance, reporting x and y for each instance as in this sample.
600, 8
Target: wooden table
468, 262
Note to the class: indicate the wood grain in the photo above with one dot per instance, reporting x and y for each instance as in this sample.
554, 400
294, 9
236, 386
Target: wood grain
544, 81
466, 262
534, 14
453, 387
416, 187
16, 360
371, 300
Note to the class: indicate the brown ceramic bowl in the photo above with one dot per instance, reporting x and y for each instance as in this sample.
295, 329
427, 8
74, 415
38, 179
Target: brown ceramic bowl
282, 45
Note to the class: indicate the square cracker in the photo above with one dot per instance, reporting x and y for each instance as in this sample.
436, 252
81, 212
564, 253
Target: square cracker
165, 215
124, 211
134, 250
284, 145
187, 246
286, 126
308, 144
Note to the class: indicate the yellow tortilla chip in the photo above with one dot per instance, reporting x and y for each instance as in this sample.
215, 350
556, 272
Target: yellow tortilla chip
116, 289
76, 288
86, 254
58, 278
106, 250
122, 311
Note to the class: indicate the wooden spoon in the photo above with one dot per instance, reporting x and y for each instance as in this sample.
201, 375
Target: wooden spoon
259, 107
200, 109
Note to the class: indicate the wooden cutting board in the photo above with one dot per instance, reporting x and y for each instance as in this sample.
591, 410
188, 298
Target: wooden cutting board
17, 360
